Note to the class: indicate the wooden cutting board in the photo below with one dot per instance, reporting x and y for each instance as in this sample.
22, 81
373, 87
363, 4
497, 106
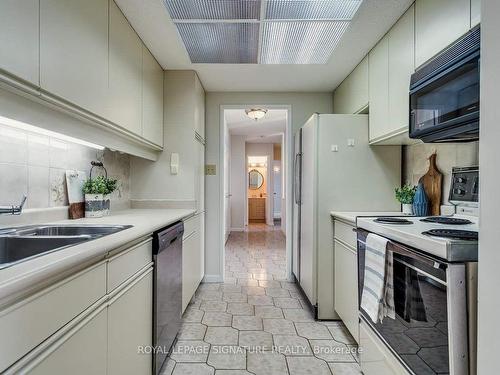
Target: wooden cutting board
432, 182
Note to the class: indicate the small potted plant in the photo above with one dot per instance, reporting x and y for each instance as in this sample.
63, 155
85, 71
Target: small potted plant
94, 190
111, 185
405, 195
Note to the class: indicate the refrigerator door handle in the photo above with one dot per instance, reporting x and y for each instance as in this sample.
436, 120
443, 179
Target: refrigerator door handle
297, 177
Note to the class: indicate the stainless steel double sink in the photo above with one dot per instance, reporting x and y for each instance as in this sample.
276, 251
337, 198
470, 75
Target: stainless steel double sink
23, 243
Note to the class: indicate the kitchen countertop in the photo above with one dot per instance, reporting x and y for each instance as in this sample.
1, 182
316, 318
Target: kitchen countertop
25, 277
351, 216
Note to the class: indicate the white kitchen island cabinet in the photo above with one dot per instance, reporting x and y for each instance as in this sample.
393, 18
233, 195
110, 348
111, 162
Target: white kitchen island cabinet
19, 43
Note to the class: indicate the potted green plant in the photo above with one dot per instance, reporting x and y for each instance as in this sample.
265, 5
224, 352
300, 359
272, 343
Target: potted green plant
405, 195
94, 190
111, 185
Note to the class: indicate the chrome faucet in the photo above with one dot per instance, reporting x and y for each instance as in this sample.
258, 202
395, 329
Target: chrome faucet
14, 210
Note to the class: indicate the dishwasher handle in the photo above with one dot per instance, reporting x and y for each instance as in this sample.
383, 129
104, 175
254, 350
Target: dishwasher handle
162, 239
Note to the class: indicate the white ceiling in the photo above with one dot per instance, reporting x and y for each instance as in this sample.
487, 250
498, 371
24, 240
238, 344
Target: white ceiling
266, 130
152, 22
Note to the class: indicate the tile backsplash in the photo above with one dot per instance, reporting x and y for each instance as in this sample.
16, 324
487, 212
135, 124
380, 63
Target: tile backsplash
448, 156
35, 165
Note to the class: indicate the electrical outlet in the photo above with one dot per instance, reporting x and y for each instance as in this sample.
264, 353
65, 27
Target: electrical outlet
210, 169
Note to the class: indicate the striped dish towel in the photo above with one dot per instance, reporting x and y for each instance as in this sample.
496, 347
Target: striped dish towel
377, 299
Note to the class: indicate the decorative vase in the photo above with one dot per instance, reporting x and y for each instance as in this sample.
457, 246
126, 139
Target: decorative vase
420, 202
94, 205
106, 203
407, 209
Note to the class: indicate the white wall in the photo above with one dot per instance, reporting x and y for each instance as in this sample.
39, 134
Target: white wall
238, 182
264, 149
489, 156
302, 106
183, 109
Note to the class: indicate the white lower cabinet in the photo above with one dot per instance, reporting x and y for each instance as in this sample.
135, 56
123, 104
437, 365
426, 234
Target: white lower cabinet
346, 287
81, 352
193, 262
130, 328
78, 326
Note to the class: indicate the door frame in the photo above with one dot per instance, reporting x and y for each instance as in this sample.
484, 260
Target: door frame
288, 145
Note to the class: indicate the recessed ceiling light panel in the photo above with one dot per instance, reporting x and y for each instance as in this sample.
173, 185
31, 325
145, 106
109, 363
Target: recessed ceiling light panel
300, 42
221, 43
311, 9
213, 9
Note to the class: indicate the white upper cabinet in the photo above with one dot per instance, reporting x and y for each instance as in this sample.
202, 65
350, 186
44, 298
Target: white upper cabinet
352, 94
379, 89
199, 109
437, 24
401, 66
74, 51
125, 73
152, 98
19, 43
475, 12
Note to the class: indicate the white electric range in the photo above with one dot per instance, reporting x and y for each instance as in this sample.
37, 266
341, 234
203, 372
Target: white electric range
434, 273
453, 238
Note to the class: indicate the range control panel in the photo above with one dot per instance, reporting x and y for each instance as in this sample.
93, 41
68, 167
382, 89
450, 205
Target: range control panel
464, 185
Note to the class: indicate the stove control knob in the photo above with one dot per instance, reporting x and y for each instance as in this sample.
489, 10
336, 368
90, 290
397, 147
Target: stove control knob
461, 180
460, 191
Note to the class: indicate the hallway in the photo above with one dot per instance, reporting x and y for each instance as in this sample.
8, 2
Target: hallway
256, 322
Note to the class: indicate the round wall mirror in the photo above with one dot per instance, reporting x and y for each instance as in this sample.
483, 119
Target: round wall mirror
255, 179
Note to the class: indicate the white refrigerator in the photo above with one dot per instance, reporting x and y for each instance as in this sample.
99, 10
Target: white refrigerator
335, 169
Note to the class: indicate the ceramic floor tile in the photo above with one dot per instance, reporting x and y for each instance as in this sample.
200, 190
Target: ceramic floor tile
234, 297
256, 340
254, 290
213, 306
192, 331
260, 300
221, 336
313, 331
209, 295
270, 283
307, 366
267, 364
298, 315
217, 318
190, 351
341, 334
247, 323
232, 372
248, 282
238, 308
287, 303
291, 345
268, 312
345, 368
277, 292
192, 315
168, 367
228, 288
331, 351
193, 369
227, 357
279, 326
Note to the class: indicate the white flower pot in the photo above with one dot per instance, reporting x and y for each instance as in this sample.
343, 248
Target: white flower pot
94, 205
407, 209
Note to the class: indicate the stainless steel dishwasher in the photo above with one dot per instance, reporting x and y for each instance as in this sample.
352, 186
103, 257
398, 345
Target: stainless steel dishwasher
167, 255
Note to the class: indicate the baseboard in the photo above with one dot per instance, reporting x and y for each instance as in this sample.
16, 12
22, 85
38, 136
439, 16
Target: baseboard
213, 279
277, 215
237, 229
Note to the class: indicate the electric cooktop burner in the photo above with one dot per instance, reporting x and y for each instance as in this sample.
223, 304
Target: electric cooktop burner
392, 220
454, 234
446, 220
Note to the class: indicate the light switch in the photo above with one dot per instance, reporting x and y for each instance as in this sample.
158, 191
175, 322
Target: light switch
174, 163
210, 169
335, 148
350, 142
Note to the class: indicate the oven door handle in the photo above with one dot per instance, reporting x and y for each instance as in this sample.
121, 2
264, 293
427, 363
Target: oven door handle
404, 250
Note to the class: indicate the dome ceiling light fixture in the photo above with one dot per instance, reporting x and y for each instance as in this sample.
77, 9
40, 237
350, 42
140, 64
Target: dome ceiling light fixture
256, 113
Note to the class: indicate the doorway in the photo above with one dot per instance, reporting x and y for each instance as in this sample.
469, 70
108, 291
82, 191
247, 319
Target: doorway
256, 175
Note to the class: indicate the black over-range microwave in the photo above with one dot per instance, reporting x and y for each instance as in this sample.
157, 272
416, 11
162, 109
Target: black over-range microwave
444, 94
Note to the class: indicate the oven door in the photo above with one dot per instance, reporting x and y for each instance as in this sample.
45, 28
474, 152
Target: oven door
445, 107
429, 332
